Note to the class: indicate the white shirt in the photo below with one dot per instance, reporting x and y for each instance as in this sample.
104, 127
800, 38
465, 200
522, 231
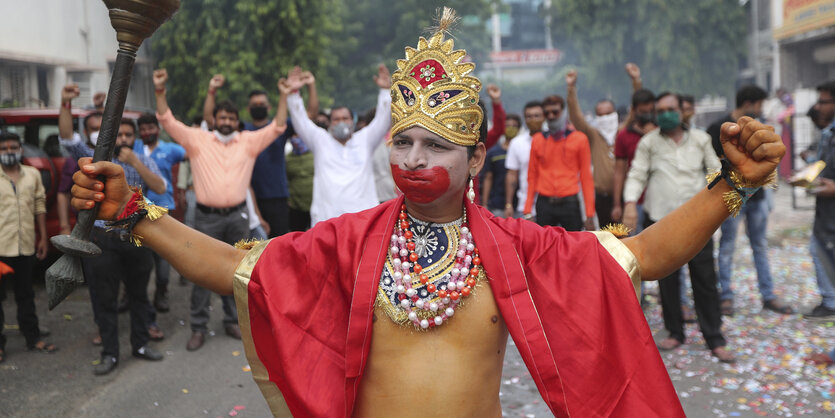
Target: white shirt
518, 155
672, 173
343, 180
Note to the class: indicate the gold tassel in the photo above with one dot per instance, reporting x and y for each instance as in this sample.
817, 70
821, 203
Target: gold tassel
619, 230
445, 19
733, 201
247, 244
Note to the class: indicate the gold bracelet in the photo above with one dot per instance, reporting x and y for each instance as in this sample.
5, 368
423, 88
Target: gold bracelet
741, 188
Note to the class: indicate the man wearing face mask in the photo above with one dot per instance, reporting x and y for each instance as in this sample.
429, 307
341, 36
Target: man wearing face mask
494, 171
166, 155
671, 163
601, 134
641, 120
517, 161
120, 261
558, 163
221, 162
749, 101
22, 211
343, 180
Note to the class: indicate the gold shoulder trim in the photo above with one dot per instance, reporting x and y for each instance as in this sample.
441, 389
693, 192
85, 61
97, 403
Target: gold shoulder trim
621, 253
274, 398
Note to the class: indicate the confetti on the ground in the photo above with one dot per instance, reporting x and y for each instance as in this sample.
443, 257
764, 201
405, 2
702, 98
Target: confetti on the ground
770, 377
185, 390
236, 353
239, 407
67, 317
246, 368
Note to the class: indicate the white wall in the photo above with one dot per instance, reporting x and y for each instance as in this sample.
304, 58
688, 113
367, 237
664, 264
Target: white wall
68, 36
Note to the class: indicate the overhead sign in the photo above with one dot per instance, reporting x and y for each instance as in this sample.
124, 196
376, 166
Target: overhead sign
801, 16
527, 56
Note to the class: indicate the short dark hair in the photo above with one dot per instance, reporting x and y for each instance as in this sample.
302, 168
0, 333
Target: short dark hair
367, 117
610, 101
323, 113
258, 92
513, 116
552, 100
197, 120
147, 119
96, 114
226, 106
642, 96
531, 104
686, 98
337, 107
668, 93
750, 94
128, 122
828, 87
9, 136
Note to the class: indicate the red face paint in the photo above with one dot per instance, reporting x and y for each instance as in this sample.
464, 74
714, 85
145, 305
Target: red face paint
421, 186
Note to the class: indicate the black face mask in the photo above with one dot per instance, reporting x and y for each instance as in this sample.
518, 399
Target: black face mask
258, 112
645, 118
150, 139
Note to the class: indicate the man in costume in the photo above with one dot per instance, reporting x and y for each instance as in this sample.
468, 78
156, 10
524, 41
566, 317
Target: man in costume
440, 285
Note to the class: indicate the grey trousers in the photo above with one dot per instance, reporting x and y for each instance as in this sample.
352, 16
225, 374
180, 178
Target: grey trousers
229, 229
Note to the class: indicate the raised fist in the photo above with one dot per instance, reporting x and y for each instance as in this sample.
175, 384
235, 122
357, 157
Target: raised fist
307, 78
752, 148
633, 70
294, 81
494, 92
216, 82
160, 78
69, 92
571, 78
383, 78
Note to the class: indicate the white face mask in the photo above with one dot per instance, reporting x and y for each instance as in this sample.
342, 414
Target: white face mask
224, 138
607, 125
94, 137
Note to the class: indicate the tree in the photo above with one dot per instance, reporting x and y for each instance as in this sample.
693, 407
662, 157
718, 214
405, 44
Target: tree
251, 42
377, 31
680, 45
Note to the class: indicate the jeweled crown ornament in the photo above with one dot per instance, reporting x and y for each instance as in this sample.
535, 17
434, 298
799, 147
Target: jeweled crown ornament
432, 89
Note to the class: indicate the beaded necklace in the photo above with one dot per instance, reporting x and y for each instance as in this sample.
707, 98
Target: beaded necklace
428, 296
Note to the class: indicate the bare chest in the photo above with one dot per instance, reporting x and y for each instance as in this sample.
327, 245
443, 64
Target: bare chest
461, 360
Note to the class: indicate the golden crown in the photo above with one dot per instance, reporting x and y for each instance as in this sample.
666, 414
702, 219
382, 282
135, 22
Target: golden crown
432, 89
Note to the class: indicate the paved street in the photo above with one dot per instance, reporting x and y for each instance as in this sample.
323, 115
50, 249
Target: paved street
769, 378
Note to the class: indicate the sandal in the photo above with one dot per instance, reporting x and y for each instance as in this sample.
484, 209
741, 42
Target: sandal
669, 344
723, 354
155, 333
775, 306
727, 307
43, 347
818, 359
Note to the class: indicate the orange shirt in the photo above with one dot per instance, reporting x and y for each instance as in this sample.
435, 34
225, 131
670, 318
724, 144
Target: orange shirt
557, 166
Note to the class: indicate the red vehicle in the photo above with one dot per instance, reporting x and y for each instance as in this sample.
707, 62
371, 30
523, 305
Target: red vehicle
38, 128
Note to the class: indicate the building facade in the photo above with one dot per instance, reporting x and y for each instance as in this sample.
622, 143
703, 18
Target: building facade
45, 44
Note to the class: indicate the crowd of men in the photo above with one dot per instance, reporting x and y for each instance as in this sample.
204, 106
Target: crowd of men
249, 180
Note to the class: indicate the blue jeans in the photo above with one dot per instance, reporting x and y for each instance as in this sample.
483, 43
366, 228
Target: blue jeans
258, 233
756, 222
825, 286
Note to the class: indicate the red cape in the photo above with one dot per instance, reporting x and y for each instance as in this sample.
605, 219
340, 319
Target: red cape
308, 301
